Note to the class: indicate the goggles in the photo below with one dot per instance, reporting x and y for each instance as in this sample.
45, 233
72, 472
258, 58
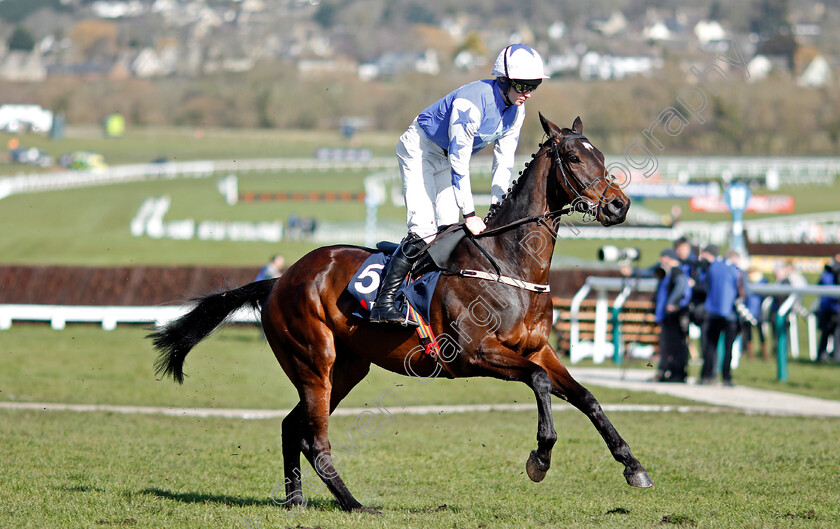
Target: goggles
522, 86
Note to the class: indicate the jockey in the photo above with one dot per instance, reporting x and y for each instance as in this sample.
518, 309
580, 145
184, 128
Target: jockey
434, 158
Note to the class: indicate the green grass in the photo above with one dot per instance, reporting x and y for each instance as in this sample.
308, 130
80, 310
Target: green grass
64, 469
234, 368
69, 469
805, 377
144, 144
91, 226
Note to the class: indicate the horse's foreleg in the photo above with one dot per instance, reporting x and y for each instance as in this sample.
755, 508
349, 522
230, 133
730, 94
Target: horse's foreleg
540, 459
567, 388
513, 367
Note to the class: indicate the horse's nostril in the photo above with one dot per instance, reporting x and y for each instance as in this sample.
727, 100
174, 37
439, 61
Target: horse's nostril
617, 204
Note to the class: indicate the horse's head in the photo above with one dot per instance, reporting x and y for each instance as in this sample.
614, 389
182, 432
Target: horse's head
580, 172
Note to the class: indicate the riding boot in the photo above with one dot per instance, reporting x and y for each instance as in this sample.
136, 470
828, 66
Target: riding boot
383, 310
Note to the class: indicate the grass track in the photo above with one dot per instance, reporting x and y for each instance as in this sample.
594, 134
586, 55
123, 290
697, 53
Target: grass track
88, 470
232, 369
69, 470
65, 469
91, 226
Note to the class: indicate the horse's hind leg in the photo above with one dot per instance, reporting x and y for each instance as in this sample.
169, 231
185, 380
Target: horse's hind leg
305, 430
569, 389
316, 404
294, 439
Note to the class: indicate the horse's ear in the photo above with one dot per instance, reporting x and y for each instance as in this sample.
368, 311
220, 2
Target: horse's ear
550, 128
577, 126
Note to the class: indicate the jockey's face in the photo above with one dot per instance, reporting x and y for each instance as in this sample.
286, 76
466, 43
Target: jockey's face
517, 98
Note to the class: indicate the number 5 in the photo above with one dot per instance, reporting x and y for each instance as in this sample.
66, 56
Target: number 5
374, 279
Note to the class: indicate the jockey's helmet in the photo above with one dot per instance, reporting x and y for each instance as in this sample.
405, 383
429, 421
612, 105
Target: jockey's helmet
519, 61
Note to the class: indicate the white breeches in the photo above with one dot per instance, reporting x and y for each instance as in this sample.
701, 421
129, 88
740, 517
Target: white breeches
427, 183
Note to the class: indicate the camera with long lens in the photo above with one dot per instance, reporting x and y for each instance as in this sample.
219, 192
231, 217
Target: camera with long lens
614, 254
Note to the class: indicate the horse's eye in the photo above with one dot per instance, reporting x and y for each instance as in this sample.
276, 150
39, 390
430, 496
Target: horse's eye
574, 159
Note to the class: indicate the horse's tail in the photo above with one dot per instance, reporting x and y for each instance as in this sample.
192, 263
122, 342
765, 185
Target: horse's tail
178, 337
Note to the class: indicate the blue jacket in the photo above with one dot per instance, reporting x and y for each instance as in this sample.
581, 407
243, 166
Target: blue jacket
467, 120
672, 290
723, 282
753, 301
828, 305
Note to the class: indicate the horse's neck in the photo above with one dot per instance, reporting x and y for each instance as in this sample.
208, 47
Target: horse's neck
526, 249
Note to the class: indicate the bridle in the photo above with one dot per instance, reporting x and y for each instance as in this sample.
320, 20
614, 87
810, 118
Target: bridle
542, 219
566, 172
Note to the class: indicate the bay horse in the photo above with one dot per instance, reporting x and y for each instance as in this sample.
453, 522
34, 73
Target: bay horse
306, 315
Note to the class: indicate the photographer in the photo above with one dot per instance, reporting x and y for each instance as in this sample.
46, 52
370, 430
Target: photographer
724, 286
671, 313
827, 313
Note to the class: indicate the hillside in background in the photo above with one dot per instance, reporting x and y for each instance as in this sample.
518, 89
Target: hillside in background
293, 64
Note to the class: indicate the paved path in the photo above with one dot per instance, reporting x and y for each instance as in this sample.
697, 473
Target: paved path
740, 397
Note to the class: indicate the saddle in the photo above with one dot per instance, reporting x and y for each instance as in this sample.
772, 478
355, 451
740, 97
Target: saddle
437, 252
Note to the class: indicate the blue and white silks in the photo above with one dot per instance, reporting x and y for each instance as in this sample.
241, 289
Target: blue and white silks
467, 120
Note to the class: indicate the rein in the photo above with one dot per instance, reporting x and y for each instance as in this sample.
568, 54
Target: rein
540, 219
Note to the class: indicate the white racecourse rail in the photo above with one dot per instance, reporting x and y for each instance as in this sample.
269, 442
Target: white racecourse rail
775, 171
108, 316
32, 183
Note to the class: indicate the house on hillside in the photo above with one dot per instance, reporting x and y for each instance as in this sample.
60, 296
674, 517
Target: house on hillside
315, 66
394, 63
147, 64
594, 66
657, 31
23, 66
114, 9
709, 30
817, 73
759, 67
613, 25
563, 64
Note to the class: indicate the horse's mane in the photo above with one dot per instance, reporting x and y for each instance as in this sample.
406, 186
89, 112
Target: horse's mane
515, 184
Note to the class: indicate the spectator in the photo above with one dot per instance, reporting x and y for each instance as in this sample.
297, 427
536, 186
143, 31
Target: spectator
724, 286
274, 268
293, 227
827, 313
753, 303
697, 305
685, 252
785, 275
307, 227
671, 313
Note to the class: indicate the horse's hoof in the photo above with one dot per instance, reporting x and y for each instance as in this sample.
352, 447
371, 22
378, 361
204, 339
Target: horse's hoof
638, 479
536, 470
